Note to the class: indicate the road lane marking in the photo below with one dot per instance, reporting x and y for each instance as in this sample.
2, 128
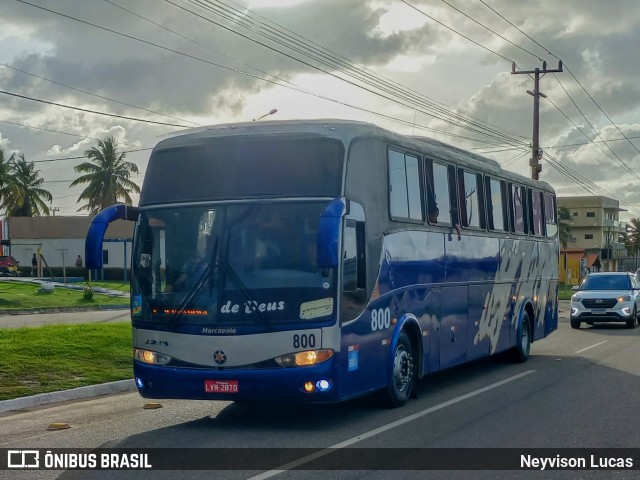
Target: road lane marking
384, 428
591, 346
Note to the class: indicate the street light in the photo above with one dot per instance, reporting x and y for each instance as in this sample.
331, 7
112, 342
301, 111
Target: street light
271, 112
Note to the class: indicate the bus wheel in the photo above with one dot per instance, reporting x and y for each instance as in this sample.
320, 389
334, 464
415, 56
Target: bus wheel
520, 352
402, 380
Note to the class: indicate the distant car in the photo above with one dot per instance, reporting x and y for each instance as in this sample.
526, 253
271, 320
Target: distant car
8, 266
606, 297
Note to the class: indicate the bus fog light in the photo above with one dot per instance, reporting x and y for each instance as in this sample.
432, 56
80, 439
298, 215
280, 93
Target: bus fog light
149, 357
323, 385
139, 382
306, 358
309, 387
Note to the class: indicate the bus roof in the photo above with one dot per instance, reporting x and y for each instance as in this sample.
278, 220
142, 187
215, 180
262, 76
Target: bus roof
346, 131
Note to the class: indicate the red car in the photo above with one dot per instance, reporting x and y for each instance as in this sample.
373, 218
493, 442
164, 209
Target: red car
8, 266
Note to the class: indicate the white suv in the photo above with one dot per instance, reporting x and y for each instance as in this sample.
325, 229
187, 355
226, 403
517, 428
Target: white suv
606, 297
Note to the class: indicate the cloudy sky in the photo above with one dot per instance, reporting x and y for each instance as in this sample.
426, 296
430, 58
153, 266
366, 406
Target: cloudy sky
429, 67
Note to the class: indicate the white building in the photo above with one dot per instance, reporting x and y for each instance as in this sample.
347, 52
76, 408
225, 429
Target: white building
62, 240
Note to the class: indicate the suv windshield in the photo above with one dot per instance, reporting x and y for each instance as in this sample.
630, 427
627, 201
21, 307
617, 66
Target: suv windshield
229, 265
606, 282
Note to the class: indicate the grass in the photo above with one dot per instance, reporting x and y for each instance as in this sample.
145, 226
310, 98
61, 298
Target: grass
25, 296
60, 357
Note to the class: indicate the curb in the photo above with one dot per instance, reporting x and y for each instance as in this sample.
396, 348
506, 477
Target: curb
65, 395
37, 311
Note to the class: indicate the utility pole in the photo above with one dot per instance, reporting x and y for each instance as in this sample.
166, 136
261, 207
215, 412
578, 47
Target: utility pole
536, 151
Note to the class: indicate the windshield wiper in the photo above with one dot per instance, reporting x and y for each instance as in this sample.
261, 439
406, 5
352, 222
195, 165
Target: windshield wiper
193, 291
239, 284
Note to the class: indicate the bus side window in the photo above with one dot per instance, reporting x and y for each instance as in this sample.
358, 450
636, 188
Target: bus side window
496, 204
550, 215
405, 202
432, 206
453, 199
354, 289
441, 192
471, 199
536, 220
518, 208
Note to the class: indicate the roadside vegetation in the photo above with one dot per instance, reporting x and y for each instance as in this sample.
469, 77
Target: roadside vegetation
59, 357
27, 296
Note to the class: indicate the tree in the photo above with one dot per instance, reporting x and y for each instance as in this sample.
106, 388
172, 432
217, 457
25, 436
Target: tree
107, 175
632, 237
564, 228
4, 173
22, 193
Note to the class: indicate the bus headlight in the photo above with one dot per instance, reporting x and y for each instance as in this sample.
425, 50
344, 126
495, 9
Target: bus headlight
152, 358
306, 358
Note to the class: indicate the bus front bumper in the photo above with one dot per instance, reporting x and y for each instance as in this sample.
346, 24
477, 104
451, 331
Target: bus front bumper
314, 384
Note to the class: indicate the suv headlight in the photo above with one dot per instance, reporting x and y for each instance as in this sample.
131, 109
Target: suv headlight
624, 298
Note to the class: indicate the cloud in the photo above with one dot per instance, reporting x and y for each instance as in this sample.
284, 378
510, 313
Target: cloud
409, 50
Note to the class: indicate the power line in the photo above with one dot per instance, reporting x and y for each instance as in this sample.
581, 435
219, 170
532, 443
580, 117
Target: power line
565, 66
95, 94
620, 161
456, 32
489, 29
284, 33
265, 30
25, 97
48, 130
182, 53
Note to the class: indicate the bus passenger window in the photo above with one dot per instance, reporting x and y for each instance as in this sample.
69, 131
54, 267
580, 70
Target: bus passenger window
518, 209
550, 215
496, 204
472, 214
441, 192
404, 186
432, 205
535, 213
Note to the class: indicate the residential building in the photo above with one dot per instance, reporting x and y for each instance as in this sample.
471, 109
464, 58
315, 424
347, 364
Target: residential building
595, 236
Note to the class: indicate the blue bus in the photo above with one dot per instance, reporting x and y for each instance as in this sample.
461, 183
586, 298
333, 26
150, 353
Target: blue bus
318, 261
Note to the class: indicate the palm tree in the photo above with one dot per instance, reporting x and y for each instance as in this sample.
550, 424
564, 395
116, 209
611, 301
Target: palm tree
22, 194
564, 228
4, 173
107, 175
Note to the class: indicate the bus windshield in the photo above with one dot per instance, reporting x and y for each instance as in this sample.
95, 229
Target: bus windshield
231, 265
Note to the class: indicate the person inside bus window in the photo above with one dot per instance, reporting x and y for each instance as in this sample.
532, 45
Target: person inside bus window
271, 231
455, 221
432, 205
433, 212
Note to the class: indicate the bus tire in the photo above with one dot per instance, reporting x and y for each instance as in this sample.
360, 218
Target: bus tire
403, 378
520, 353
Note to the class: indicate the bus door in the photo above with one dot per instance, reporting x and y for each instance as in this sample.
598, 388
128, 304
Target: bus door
453, 326
478, 339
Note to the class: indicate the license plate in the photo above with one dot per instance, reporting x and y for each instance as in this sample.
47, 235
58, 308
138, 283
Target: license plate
598, 311
221, 386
